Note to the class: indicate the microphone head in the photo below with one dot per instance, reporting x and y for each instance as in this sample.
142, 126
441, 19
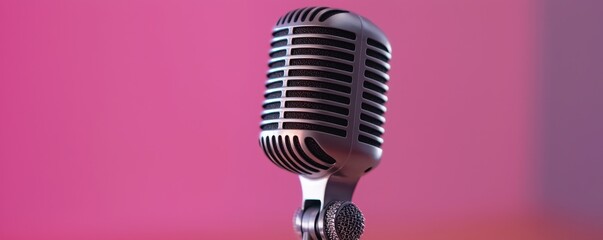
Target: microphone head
344, 221
325, 93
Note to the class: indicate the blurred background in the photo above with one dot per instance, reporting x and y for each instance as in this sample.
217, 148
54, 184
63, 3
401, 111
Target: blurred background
139, 119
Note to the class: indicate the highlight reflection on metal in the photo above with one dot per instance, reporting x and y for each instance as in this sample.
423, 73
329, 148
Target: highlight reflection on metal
323, 110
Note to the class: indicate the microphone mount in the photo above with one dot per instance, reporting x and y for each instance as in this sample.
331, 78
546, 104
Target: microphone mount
328, 212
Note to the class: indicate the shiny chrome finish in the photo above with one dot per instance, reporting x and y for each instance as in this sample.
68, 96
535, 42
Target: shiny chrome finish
323, 111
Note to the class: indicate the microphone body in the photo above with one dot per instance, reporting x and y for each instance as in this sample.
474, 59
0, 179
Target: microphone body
323, 112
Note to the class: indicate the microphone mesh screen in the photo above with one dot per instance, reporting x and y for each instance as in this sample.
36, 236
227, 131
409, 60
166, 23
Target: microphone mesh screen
287, 153
374, 92
344, 221
310, 76
327, 78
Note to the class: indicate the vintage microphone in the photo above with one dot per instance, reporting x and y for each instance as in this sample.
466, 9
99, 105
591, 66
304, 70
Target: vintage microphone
323, 112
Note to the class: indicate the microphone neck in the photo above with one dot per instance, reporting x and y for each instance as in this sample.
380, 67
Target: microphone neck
327, 189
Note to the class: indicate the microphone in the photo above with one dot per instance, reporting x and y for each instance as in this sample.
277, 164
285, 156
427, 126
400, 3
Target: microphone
323, 112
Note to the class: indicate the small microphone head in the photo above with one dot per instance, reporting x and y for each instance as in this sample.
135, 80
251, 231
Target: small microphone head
325, 93
344, 221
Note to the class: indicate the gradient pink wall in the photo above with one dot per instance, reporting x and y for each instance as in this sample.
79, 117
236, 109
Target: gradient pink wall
139, 120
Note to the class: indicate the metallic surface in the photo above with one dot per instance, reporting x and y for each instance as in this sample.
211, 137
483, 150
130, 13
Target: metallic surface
335, 182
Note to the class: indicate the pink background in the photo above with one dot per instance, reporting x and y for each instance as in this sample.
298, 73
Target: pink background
139, 120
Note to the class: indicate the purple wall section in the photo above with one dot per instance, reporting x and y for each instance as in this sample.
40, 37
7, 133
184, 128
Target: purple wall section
139, 120
572, 109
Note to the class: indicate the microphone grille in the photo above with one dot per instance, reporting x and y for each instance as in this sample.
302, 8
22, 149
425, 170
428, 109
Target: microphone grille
344, 221
287, 152
374, 89
309, 14
309, 83
325, 89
